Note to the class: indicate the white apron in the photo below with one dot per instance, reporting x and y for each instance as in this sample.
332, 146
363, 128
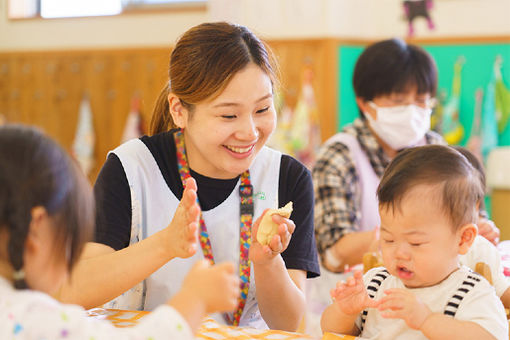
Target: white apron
153, 206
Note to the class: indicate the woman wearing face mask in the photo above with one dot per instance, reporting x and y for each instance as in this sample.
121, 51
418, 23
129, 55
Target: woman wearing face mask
395, 84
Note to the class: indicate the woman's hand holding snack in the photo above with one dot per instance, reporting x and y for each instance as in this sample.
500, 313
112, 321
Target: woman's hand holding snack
274, 243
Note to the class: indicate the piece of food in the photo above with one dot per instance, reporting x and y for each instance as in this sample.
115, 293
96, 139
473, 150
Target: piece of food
267, 227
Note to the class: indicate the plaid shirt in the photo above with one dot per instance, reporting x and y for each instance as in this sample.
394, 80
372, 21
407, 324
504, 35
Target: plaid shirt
335, 179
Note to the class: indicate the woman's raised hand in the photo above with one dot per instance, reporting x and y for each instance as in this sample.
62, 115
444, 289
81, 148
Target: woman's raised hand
181, 235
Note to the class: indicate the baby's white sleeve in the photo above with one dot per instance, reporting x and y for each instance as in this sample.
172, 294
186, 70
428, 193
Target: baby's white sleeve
484, 251
484, 308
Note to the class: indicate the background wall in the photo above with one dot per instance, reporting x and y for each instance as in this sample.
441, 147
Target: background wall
273, 19
45, 88
127, 30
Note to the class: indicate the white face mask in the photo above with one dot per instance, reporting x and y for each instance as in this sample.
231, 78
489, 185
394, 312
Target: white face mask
400, 126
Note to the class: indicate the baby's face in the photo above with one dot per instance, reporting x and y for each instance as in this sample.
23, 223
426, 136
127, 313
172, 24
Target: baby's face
417, 240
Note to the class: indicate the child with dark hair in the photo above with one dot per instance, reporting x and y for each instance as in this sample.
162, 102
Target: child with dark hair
46, 216
428, 202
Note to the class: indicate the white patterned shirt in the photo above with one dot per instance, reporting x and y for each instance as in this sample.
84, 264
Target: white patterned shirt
28, 314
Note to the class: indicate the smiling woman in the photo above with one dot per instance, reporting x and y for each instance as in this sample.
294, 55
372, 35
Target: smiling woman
211, 122
224, 135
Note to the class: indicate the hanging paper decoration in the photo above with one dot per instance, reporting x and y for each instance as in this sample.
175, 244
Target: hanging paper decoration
453, 131
135, 127
417, 8
489, 130
436, 119
305, 129
501, 96
83, 145
280, 139
475, 139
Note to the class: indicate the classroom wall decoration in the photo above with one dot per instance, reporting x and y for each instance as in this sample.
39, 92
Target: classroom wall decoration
45, 88
135, 124
475, 141
501, 96
298, 130
83, 144
414, 9
489, 127
448, 121
305, 133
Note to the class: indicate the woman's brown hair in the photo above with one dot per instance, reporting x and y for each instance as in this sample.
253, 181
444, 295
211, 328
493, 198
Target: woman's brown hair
203, 62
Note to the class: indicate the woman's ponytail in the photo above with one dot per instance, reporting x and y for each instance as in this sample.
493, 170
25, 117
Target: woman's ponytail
161, 120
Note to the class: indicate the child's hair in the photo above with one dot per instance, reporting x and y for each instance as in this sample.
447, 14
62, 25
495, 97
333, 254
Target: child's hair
475, 162
36, 172
203, 62
459, 183
392, 65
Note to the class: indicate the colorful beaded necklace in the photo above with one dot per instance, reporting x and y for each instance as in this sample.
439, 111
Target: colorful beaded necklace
246, 194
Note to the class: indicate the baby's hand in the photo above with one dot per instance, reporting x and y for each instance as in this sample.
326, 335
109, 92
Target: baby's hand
216, 286
262, 253
402, 304
351, 296
181, 235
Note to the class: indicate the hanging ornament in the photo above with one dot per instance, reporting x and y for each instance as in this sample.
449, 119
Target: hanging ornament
83, 145
475, 139
417, 8
305, 130
134, 127
453, 131
501, 96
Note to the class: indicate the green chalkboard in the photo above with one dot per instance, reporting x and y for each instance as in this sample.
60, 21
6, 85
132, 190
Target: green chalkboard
476, 73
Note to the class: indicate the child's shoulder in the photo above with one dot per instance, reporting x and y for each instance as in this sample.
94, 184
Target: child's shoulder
480, 251
29, 301
466, 273
464, 279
